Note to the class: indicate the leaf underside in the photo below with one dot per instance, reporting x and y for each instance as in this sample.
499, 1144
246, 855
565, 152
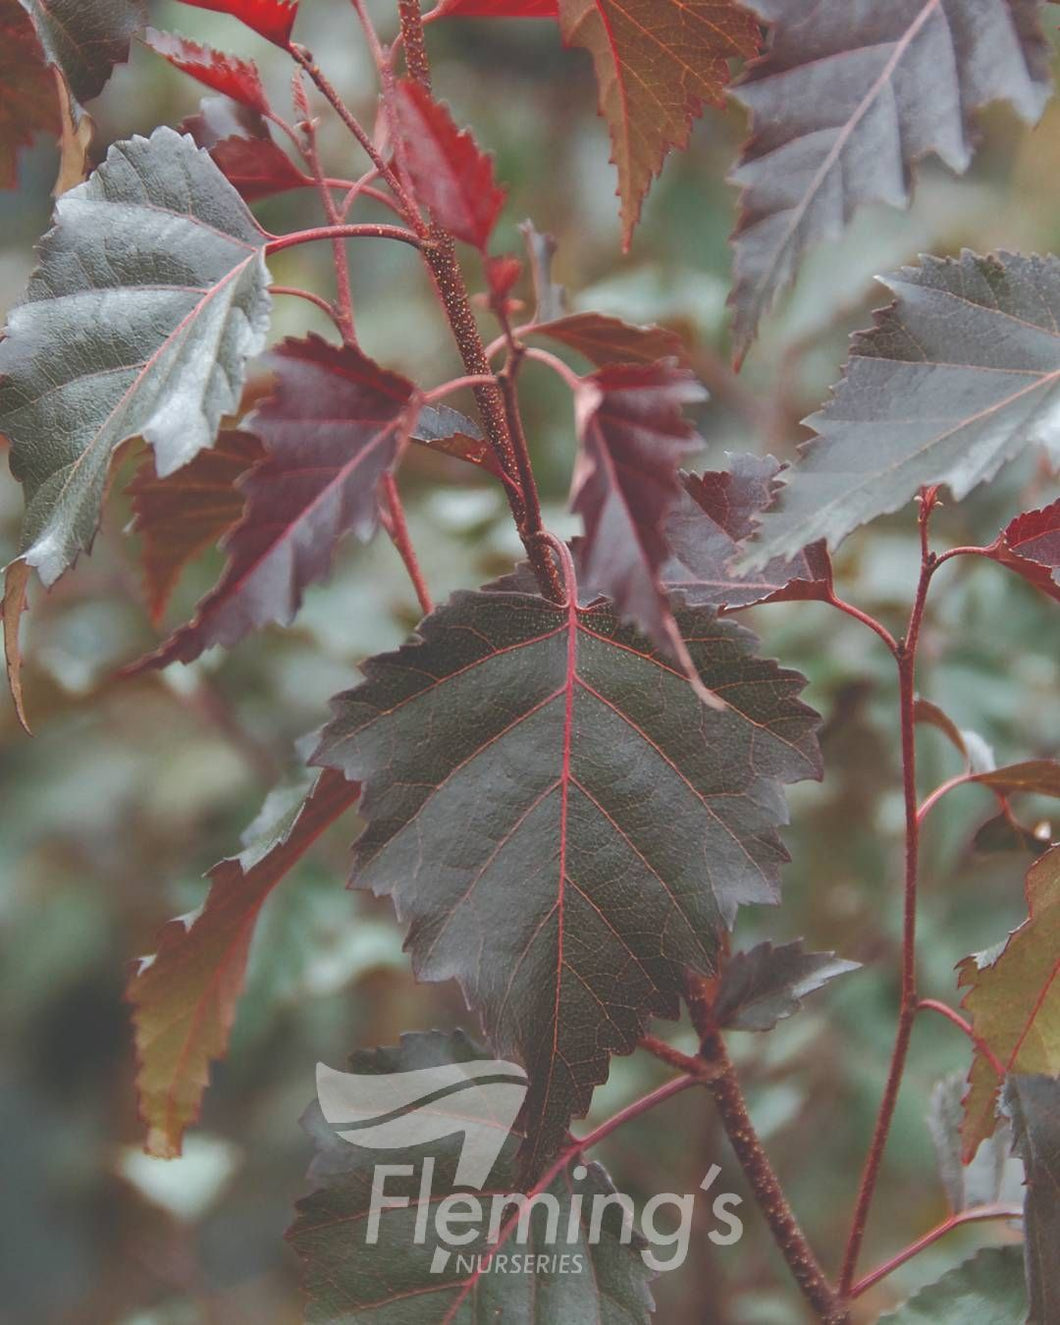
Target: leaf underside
150, 296
959, 375
988, 1289
1033, 1104
562, 823
844, 102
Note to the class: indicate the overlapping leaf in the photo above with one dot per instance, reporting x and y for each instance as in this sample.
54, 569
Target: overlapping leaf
86, 40
763, 986
271, 19
28, 99
333, 427
1013, 1001
150, 297
562, 823
706, 529
988, 1289
633, 437
420, 1280
183, 515
242, 147
452, 176
959, 375
184, 995
227, 74
1030, 545
657, 62
1033, 1104
847, 98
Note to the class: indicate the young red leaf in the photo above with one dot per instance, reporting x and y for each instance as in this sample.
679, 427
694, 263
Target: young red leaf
1013, 1002
271, 19
452, 176
1030, 545
240, 142
28, 97
85, 39
846, 99
657, 62
495, 9
440, 428
566, 828
502, 273
716, 512
227, 74
333, 427
184, 995
606, 340
633, 437
182, 515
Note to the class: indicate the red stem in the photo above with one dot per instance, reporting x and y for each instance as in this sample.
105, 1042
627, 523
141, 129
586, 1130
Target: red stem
865, 620
962, 779
366, 230
344, 303
975, 1215
933, 1005
906, 655
397, 527
325, 305
769, 1195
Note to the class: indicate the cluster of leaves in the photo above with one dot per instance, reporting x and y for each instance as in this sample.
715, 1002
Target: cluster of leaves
566, 826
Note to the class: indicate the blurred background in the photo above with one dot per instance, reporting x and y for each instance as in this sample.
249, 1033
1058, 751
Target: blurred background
131, 790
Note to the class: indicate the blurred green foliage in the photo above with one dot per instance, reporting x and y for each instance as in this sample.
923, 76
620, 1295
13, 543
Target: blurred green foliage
131, 790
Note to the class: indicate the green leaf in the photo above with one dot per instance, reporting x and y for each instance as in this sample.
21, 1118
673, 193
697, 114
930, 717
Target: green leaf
763, 986
1033, 1104
959, 375
150, 297
1013, 1001
184, 995
986, 1289
346, 1278
86, 38
563, 824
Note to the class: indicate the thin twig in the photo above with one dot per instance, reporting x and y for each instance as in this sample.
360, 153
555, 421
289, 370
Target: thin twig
975, 1215
393, 516
933, 1005
906, 656
365, 230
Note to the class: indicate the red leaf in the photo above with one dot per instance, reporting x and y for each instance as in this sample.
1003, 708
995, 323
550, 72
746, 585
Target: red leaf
496, 9
228, 74
16, 580
501, 275
239, 141
182, 515
716, 513
332, 429
657, 62
1030, 546
452, 176
272, 19
29, 102
606, 340
184, 996
633, 436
